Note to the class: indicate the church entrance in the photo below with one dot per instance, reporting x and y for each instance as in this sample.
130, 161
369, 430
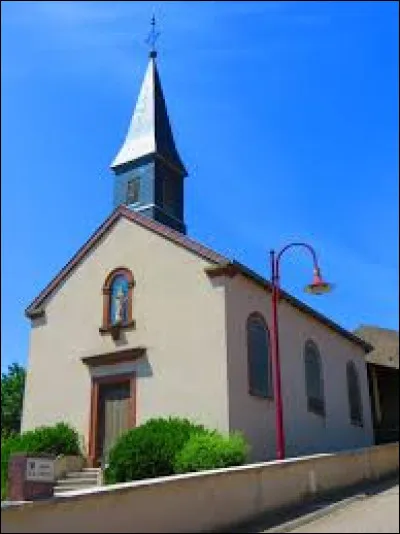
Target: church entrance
112, 413
113, 418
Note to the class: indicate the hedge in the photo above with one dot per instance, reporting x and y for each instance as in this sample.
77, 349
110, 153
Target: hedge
211, 451
162, 447
149, 450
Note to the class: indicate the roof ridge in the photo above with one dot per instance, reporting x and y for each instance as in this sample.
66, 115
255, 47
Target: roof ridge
34, 310
222, 262
235, 267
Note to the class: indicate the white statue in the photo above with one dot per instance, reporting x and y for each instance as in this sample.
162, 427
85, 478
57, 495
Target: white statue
120, 301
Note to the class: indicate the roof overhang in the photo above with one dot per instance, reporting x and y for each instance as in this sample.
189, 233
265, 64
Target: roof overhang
36, 308
234, 268
221, 266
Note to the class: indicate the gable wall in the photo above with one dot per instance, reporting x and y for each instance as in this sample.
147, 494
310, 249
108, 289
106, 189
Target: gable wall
180, 319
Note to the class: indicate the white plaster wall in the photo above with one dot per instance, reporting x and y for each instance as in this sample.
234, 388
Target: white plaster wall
305, 432
252, 415
180, 319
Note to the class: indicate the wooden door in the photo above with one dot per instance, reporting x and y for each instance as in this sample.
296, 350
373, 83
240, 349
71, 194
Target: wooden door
114, 415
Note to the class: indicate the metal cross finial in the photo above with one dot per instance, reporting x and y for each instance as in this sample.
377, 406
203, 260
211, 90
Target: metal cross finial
152, 37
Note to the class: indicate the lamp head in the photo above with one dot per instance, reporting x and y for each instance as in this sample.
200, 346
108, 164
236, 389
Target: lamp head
318, 286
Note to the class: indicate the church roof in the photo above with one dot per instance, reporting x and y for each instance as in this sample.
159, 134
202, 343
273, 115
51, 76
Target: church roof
234, 267
222, 266
35, 308
385, 344
150, 129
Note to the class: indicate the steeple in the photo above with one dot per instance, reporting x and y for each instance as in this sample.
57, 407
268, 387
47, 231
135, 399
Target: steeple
148, 170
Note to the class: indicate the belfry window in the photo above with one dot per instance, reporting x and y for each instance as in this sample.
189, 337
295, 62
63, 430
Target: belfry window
132, 191
169, 194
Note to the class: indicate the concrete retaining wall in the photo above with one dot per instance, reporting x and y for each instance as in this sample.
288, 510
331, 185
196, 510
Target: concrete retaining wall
199, 502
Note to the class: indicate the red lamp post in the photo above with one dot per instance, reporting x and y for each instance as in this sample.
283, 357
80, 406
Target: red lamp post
317, 287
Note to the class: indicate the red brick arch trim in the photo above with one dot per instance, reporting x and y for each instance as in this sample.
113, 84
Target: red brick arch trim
106, 290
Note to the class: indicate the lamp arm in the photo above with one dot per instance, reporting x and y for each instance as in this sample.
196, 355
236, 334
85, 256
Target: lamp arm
276, 259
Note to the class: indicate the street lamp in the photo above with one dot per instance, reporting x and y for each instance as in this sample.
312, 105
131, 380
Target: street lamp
317, 287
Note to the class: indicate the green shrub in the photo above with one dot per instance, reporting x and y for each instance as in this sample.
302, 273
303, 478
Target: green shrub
8, 445
57, 439
209, 451
149, 450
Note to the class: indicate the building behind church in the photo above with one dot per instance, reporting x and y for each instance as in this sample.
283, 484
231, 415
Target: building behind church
144, 322
383, 377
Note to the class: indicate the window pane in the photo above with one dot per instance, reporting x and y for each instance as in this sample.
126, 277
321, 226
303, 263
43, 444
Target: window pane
314, 379
169, 194
313, 376
132, 194
258, 357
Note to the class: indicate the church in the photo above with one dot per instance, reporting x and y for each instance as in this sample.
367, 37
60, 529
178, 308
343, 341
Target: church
145, 322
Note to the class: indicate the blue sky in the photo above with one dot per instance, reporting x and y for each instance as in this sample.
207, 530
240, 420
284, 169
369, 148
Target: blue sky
285, 114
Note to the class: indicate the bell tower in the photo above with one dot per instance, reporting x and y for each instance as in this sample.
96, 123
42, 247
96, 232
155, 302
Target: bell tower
149, 174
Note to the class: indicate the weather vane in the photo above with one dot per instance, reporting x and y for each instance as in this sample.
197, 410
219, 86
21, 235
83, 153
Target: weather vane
152, 37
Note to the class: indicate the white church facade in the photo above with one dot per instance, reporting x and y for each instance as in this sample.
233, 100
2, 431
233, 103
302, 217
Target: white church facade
145, 322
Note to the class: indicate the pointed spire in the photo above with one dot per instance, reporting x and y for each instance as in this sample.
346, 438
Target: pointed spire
152, 37
150, 130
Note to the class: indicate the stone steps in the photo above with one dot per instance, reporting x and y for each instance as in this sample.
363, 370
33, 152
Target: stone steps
85, 473
76, 480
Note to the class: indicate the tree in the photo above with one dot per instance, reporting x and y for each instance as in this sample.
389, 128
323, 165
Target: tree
12, 393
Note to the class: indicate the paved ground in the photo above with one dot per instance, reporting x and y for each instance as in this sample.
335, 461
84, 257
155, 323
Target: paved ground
367, 508
376, 513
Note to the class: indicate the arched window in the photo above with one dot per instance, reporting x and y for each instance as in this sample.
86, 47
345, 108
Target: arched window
314, 378
117, 299
258, 351
354, 393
